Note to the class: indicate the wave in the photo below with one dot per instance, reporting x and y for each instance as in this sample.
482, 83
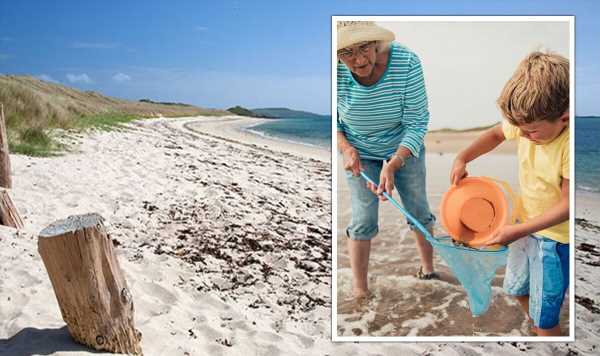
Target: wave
278, 138
585, 188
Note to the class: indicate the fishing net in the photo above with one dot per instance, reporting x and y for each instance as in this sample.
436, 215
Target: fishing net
474, 268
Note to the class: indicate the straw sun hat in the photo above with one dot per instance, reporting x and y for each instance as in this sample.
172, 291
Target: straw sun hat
351, 32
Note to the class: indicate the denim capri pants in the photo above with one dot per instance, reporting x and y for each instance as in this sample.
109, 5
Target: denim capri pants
409, 182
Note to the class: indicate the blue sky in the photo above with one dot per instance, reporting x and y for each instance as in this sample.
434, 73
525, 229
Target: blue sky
223, 53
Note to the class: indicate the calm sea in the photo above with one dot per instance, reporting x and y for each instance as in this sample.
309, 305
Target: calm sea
587, 154
308, 131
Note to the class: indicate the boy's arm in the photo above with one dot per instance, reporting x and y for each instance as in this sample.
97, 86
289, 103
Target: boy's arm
553, 216
486, 142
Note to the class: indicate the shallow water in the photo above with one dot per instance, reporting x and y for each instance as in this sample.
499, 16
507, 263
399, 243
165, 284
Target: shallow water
403, 305
307, 131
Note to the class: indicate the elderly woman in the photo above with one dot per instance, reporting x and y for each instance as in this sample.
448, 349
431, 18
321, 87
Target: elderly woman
382, 119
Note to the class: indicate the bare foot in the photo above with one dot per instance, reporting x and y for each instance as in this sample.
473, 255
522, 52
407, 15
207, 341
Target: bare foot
362, 301
534, 330
360, 293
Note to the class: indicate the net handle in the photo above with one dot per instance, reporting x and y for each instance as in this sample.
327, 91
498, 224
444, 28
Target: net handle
420, 226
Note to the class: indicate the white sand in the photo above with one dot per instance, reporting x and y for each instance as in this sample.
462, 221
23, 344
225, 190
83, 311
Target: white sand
190, 212
222, 243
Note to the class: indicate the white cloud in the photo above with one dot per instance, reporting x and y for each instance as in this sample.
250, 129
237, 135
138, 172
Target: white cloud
79, 78
121, 77
94, 45
47, 78
201, 28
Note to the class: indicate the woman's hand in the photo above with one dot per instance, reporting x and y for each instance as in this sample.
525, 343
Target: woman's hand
386, 180
458, 172
351, 160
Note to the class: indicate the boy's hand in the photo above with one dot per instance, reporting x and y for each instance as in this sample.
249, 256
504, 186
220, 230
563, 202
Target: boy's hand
458, 172
351, 160
505, 235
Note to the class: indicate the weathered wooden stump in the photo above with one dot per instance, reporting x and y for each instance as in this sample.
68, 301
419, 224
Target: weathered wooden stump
89, 285
5, 179
9, 216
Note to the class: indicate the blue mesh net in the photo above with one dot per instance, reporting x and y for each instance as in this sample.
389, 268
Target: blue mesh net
474, 268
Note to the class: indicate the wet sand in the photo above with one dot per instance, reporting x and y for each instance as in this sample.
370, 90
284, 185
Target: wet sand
406, 306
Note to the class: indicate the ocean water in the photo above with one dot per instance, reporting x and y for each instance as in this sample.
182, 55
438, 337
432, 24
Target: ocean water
307, 131
587, 154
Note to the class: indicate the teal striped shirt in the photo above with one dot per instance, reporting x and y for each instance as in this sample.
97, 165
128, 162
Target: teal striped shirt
393, 112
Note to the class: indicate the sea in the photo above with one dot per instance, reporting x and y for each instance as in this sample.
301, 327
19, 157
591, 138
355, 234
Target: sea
317, 132
587, 154
303, 130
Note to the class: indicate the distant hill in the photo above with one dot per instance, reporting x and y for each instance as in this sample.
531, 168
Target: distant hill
285, 113
30, 100
32, 106
242, 111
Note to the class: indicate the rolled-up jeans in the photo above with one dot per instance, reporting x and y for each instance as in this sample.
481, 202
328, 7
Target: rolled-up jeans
409, 182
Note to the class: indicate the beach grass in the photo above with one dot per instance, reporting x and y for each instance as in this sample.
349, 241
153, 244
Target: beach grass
33, 142
108, 121
36, 110
39, 142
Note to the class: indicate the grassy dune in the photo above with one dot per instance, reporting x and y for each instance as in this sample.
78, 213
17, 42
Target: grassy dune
33, 108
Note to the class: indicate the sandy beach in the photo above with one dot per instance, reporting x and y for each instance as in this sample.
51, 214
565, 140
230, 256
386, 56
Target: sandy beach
226, 247
444, 142
225, 244
405, 306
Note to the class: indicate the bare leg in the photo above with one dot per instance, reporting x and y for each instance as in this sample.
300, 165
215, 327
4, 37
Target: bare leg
524, 301
555, 331
359, 261
425, 251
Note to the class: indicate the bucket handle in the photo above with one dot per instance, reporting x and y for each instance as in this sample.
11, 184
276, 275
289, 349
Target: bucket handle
515, 198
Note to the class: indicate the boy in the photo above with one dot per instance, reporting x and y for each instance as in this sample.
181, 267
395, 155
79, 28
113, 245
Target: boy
535, 104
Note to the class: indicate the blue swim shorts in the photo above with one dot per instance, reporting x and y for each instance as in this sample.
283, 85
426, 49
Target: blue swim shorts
539, 267
409, 182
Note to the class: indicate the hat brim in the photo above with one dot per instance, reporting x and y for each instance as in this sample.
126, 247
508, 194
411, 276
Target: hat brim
348, 36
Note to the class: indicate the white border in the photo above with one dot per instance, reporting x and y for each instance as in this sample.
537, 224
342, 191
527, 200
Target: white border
334, 180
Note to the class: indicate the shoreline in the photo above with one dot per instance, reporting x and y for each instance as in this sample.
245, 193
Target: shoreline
587, 206
441, 142
236, 128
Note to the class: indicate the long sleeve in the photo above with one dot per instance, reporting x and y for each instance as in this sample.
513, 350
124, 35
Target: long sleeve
416, 112
340, 126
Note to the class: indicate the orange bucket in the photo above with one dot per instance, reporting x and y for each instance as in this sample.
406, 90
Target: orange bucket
476, 208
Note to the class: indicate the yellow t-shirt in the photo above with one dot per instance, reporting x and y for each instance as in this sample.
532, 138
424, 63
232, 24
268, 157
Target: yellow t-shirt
541, 168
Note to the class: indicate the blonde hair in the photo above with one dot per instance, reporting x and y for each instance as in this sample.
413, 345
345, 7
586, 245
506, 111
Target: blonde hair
538, 89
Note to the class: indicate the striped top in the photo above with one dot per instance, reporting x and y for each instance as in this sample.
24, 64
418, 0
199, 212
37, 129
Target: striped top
376, 119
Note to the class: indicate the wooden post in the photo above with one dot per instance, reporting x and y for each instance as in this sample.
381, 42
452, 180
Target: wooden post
89, 285
9, 216
5, 179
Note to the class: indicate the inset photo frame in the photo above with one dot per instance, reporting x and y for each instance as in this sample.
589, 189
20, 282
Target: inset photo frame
453, 178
